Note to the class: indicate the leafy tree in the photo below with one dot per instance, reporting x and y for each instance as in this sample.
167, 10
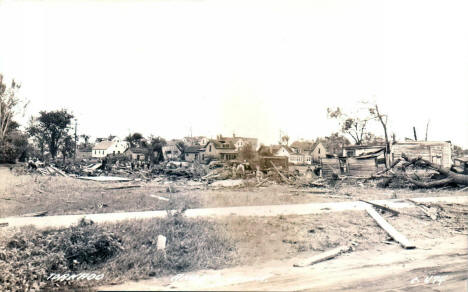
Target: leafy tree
86, 140
13, 143
134, 139
247, 152
51, 129
67, 147
264, 151
334, 143
457, 151
155, 146
354, 125
10, 105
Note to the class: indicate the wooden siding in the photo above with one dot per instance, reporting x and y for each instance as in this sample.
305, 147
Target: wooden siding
436, 152
330, 166
361, 167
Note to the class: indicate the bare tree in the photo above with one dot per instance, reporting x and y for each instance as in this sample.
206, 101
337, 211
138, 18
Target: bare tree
383, 119
351, 124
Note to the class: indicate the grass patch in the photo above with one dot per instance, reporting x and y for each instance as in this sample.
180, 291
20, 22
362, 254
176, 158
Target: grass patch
121, 251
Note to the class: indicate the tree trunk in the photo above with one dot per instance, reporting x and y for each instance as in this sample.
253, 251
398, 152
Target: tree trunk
451, 177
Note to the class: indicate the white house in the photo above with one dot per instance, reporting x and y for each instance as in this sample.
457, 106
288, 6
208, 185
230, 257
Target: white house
109, 147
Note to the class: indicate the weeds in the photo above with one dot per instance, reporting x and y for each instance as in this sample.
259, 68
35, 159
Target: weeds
121, 251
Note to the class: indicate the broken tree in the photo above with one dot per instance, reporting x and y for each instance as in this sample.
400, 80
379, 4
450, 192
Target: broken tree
450, 176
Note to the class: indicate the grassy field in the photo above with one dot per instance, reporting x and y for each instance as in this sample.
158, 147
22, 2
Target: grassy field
121, 251
127, 250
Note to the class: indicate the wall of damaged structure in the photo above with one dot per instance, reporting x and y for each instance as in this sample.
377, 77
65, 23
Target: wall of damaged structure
362, 166
330, 166
436, 152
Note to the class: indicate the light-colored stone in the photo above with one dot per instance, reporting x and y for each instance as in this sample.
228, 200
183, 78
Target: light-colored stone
161, 245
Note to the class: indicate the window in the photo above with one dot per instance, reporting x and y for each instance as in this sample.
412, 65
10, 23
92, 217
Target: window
319, 150
209, 149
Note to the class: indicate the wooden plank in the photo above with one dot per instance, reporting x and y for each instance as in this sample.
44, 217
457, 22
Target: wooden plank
397, 236
381, 207
123, 187
37, 214
59, 171
159, 198
323, 256
277, 170
423, 209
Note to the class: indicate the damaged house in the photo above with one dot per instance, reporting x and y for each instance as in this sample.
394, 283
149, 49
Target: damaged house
294, 157
172, 150
312, 151
434, 151
219, 150
192, 153
109, 147
136, 153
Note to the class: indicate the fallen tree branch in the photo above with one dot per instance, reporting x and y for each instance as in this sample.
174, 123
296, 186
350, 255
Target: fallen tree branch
387, 169
451, 177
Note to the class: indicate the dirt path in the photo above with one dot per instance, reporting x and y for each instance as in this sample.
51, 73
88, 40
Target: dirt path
383, 268
271, 210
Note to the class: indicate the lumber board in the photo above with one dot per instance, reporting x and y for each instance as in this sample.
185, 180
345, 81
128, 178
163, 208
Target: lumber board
159, 198
423, 209
123, 187
397, 236
381, 207
277, 170
58, 171
329, 254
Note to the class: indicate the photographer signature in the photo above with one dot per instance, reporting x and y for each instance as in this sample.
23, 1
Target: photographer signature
429, 279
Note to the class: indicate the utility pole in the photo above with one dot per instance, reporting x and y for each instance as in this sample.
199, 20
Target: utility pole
427, 128
76, 139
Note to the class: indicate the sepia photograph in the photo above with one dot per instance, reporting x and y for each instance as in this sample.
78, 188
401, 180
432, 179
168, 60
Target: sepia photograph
232, 145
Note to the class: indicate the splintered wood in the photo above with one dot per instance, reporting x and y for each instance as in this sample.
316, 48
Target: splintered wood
323, 256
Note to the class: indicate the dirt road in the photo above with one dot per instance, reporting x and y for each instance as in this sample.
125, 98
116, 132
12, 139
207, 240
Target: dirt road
270, 210
436, 265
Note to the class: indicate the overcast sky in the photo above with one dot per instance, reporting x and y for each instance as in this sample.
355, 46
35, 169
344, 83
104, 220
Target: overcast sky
249, 67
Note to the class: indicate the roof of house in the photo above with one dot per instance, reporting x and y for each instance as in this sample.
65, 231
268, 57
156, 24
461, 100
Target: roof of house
218, 144
305, 145
364, 146
137, 150
464, 159
276, 148
103, 145
192, 149
423, 142
253, 141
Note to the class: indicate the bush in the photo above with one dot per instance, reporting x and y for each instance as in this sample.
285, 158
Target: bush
8, 153
121, 251
31, 256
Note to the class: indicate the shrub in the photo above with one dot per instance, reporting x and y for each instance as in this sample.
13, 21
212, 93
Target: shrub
121, 251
